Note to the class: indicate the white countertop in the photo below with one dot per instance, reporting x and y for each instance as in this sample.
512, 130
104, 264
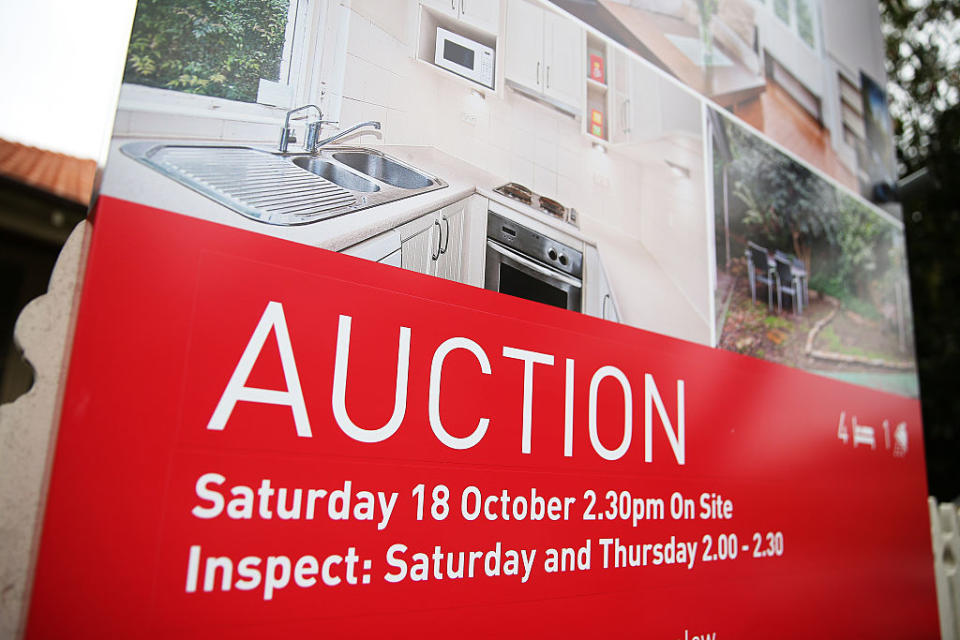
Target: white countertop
128, 179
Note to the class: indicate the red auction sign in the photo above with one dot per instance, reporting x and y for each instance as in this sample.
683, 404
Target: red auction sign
261, 438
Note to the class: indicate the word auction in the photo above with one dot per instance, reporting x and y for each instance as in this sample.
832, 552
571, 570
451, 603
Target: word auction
273, 321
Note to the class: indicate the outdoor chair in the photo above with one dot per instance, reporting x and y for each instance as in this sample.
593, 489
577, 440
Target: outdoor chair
788, 282
799, 269
759, 270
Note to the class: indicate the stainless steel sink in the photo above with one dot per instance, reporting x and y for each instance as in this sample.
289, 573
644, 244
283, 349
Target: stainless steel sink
335, 174
286, 188
383, 169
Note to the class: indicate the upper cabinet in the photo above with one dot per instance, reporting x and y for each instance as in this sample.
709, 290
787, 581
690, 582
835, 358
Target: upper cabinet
544, 55
461, 37
647, 106
563, 59
637, 111
524, 44
481, 13
484, 14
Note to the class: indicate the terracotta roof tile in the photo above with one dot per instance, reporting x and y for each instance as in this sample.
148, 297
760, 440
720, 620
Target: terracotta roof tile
56, 173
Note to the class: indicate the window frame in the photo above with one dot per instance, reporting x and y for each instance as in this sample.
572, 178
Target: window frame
792, 23
316, 21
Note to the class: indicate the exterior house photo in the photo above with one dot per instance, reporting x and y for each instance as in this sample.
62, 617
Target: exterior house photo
806, 73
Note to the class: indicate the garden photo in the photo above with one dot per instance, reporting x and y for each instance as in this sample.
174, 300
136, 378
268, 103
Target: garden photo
807, 274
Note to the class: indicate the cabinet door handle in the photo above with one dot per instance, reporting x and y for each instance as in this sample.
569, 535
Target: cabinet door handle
435, 255
538, 72
453, 5
626, 115
603, 311
548, 76
446, 241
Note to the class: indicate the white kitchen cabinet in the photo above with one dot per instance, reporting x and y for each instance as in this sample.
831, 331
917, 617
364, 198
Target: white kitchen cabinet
419, 252
433, 244
393, 259
544, 54
484, 14
448, 243
473, 244
564, 59
621, 122
646, 106
451, 252
637, 107
599, 300
481, 13
524, 45
446, 7
607, 305
380, 248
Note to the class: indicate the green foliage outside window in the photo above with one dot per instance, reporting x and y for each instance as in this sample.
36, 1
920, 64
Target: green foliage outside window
219, 48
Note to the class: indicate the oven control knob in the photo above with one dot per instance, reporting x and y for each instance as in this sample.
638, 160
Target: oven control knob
563, 260
552, 254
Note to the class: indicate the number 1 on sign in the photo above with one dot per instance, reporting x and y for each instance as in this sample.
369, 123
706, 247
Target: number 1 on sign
418, 494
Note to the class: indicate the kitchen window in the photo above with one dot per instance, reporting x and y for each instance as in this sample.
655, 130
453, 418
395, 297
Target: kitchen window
223, 50
240, 59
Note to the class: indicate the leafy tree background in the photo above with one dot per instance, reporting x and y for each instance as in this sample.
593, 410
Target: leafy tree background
216, 48
784, 204
849, 251
923, 67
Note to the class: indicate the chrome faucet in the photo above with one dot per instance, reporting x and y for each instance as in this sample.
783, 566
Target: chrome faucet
313, 129
369, 123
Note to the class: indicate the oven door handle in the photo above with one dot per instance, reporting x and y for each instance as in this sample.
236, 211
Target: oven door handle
539, 268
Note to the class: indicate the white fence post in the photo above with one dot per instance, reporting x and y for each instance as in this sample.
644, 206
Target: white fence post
945, 527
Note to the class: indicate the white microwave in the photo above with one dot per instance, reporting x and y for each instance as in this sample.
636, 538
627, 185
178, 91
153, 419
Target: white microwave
464, 57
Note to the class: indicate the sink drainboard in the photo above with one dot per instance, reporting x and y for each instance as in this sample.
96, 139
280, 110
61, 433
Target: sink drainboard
265, 187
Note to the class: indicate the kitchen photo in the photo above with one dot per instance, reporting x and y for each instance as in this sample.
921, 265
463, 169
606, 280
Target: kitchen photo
807, 274
502, 144
806, 73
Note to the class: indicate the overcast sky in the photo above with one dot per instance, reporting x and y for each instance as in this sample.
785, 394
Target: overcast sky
61, 66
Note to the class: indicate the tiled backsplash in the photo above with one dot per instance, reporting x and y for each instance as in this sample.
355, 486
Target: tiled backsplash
506, 134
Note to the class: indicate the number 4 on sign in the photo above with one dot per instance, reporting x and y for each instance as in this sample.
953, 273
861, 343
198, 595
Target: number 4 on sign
842, 433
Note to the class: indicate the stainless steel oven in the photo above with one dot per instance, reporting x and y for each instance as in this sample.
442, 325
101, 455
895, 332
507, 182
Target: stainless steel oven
524, 263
